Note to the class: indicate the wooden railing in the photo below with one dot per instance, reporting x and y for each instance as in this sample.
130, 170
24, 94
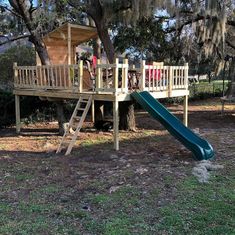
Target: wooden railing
163, 78
49, 76
118, 77
114, 78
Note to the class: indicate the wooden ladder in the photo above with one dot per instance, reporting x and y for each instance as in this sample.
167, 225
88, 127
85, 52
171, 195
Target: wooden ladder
73, 120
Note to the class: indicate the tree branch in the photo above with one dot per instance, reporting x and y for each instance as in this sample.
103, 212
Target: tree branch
11, 11
231, 22
196, 19
13, 39
230, 44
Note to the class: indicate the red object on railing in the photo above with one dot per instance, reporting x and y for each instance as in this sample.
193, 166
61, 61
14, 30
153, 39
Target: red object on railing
94, 62
153, 74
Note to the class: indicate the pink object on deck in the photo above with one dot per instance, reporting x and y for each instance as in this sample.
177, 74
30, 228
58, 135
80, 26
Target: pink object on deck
153, 74
94, 62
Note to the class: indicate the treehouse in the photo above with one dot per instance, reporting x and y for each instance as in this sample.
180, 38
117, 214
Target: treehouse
66, 78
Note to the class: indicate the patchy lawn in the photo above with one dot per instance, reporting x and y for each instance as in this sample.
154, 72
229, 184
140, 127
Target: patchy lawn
145, 188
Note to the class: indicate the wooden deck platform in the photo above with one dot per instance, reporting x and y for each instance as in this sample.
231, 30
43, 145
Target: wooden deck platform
113, 82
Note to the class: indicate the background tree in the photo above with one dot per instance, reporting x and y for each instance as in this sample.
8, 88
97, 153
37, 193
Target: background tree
38, 18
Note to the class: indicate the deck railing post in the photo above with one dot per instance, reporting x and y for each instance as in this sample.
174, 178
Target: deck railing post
142, 77
186, 75
185, 118
98, 77
80, 80
116, 75
69, 43
15, 74
170, 80
125, 76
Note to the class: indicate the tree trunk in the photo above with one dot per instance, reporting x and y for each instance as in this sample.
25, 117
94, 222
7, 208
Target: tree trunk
40, 49
231, 88
105, 38
21, 7
127, 116
60, 116
95, 11
99, 112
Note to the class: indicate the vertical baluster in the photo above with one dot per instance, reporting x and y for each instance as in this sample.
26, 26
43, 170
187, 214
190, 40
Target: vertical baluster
39, 68
142, 77
181, 72
125, 76
98, 75
52, 81
116, 71
81, 76
23, 76
59, 76
106, 77
170, 80
186, 75
164, 77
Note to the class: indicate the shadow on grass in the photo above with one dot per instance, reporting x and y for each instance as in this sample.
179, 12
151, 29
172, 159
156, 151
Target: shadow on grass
11, 132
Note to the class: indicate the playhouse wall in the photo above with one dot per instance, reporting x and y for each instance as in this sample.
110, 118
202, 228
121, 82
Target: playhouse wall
58, 55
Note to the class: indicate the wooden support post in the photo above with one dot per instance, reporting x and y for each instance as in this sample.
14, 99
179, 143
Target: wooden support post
16, 82
17, 113
142, 78
186, 76
185, 120
125, 77
116, 124
116, 75
93, 111
69, 44
170, 81
80, 80
222, 108
98, 77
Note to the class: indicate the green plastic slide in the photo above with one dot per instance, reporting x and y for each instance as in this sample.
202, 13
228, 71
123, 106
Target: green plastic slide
201, 149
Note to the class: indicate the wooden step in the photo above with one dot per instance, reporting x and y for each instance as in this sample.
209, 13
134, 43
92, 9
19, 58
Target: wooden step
77, 118
81, 109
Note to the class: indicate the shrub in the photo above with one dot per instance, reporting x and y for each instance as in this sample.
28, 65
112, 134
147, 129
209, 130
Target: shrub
23, 55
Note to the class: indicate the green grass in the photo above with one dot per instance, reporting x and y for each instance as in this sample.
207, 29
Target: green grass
166, 205
194, 209
201, 208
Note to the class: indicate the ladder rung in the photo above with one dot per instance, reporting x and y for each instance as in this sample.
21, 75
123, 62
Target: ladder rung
77, 118
65, 143
82, 109
84, 101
